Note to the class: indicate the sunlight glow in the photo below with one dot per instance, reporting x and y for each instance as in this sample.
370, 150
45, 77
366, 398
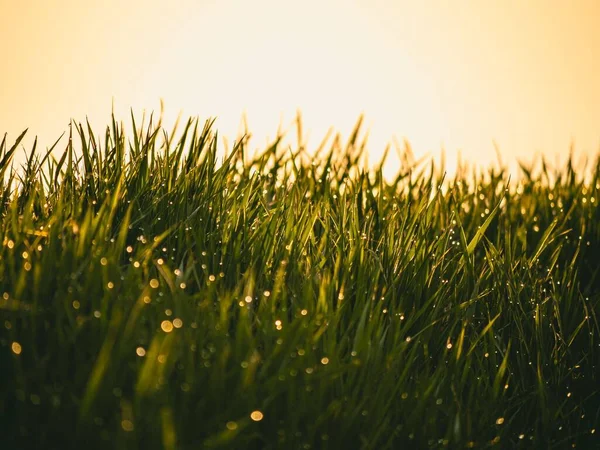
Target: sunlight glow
453, 75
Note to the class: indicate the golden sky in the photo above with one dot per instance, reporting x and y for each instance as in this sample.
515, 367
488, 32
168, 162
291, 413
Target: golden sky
454, 73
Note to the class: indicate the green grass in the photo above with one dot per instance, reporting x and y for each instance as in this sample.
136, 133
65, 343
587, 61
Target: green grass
154, 295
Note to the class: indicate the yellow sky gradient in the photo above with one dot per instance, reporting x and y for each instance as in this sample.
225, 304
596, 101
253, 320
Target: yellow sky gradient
457, 74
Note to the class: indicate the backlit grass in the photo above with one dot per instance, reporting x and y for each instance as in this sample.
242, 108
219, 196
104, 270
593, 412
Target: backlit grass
154, 295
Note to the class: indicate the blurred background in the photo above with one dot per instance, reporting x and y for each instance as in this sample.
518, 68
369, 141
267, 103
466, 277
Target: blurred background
455, 75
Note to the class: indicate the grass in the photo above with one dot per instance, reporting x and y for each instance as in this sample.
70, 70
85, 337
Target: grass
156, 296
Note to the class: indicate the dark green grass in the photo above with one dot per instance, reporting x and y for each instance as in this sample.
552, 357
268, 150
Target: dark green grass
153, 295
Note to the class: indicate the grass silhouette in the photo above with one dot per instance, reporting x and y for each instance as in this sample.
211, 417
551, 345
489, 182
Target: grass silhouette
155, 296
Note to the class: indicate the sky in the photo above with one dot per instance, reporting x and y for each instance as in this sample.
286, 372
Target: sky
456, 75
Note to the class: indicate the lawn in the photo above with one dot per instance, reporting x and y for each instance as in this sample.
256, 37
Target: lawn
156, 295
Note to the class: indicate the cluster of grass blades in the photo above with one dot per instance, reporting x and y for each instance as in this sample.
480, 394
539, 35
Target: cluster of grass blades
154, 295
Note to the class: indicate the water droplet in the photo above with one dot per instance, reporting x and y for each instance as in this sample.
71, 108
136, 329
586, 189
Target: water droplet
16, 348
166, 326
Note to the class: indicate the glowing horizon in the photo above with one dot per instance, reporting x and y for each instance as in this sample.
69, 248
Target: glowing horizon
456, 77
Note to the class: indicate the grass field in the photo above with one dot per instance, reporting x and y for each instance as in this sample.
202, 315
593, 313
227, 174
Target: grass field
156, 296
